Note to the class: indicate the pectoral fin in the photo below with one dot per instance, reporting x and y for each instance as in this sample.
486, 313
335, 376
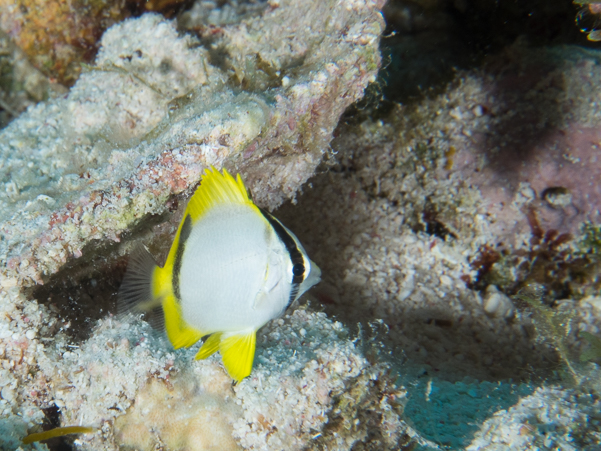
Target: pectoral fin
210, 346
238, 353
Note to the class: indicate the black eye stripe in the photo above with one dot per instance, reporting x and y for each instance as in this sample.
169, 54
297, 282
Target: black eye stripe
298, 263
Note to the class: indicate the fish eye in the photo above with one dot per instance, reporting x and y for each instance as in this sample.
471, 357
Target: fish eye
298, 269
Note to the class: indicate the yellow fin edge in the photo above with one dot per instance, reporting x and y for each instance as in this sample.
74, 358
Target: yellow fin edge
57, 432
180, 334
215, 189
209, 347
238, 354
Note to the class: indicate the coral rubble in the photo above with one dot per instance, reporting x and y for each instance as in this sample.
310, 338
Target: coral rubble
424, 220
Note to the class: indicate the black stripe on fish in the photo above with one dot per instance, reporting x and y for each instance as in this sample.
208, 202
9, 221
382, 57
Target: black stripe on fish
184, 234
298, 263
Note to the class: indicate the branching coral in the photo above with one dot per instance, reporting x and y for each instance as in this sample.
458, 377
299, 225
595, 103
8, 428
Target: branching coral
562, 267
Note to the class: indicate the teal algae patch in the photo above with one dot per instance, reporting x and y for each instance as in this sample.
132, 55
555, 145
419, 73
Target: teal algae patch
451, 413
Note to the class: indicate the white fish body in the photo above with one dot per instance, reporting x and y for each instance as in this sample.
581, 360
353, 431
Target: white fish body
246, 284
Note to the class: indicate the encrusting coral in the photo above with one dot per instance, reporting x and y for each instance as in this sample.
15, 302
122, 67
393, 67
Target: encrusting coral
58, 36
141, 124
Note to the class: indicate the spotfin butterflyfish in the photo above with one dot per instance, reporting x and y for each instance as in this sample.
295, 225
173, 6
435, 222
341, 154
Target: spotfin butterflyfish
232, 267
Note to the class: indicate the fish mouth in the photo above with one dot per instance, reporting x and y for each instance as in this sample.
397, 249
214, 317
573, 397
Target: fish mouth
314, 276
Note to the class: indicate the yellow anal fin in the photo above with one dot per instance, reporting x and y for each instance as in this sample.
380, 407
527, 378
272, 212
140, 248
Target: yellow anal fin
238, 353
180, 333
217, 189
210, 346
57, 432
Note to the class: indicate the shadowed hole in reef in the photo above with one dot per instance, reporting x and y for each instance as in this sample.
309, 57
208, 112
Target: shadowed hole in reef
426, 42
82, 295
52, 420
85, 289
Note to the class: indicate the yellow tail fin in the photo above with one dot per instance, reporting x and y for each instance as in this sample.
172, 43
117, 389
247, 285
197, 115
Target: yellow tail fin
238, 353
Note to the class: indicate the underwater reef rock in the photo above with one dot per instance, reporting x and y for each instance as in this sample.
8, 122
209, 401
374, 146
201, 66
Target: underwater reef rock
310, 389
524, 131
58, 36
141, 125
126, 382
402, 221
394, 243
571, 416
207, 17
21, 84
116, 154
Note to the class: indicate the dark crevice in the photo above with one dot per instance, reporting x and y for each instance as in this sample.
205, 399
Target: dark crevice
85, 290
52, 419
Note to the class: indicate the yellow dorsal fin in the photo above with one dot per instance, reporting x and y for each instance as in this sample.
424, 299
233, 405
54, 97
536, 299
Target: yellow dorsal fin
180, 333
210, 346
238, 353
217, 189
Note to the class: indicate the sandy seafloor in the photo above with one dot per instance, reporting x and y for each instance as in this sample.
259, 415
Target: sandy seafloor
429, 219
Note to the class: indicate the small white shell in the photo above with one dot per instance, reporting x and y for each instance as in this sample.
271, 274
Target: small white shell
496, 304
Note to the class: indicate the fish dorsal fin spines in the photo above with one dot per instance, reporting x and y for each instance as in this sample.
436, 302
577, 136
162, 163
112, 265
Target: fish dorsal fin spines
217, 189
